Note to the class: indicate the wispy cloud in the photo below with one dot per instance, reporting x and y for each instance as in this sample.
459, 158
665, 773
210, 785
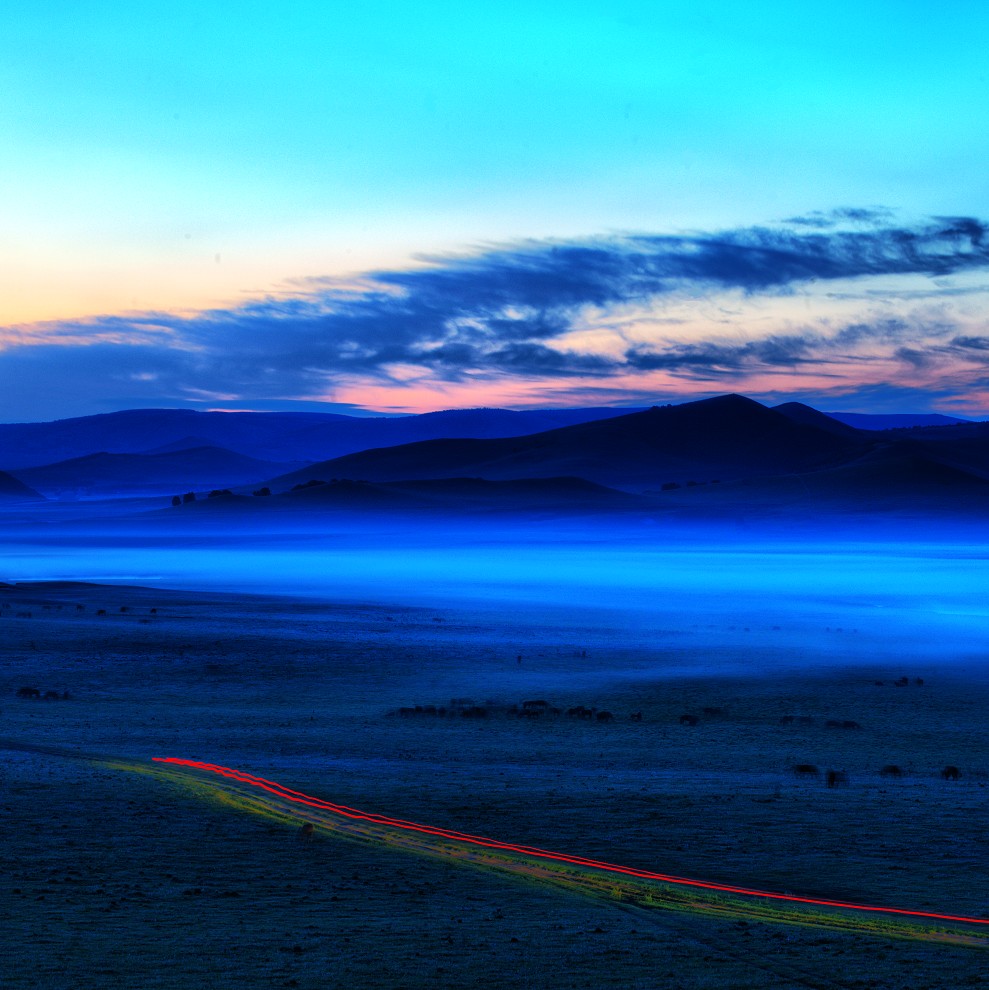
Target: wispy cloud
512, 312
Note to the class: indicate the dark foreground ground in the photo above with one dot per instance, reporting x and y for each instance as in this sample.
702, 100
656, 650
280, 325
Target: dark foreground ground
114, 879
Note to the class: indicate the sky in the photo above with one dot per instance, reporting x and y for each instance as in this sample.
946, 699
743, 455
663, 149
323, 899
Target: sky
400, 207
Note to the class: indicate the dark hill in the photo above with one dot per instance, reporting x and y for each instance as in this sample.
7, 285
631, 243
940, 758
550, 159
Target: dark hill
11, 489
119, 474
894, 478
726, 437
809, 416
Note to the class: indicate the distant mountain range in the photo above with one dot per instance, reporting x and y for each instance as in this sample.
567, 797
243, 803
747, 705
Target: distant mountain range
172, 472
281, 437
894, 421
715, 455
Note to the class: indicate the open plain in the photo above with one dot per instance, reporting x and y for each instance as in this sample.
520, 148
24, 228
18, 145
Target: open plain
113, 877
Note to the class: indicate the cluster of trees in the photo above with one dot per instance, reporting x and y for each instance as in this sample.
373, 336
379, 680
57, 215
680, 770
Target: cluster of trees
216, 492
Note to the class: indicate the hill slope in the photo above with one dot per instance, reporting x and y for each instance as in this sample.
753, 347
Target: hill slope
12, 489
725, 437
121, 474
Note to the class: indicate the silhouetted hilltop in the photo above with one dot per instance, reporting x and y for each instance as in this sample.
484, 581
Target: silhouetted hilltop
725, 437
115, 474
12, 489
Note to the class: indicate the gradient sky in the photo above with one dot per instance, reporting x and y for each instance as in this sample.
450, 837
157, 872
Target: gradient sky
309, 205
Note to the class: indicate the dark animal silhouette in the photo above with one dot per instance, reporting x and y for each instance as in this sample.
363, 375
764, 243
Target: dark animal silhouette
891, 770
805, 770
848, 724
605, 717
305, 834
689, 720
541, 705
901, 682
786, 720
919, 681
28, 692
836, 778
101, 611
951, 773
51, 696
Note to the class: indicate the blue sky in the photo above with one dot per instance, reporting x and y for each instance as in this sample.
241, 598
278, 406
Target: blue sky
163, 162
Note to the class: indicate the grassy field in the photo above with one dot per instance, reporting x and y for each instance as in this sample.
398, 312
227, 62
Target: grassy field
114, 877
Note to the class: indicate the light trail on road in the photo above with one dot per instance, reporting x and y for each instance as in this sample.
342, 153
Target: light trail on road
467, 840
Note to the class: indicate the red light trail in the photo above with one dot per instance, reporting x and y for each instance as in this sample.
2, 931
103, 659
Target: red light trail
297, 797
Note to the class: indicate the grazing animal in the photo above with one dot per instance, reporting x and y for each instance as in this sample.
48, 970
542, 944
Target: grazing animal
305, 834
28, 692
689, 720
901, 682
605, 717
786, 720
891, 770
805, 770
101, 611
541, 705
51, 696
124, 608
951, 773
835, 778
